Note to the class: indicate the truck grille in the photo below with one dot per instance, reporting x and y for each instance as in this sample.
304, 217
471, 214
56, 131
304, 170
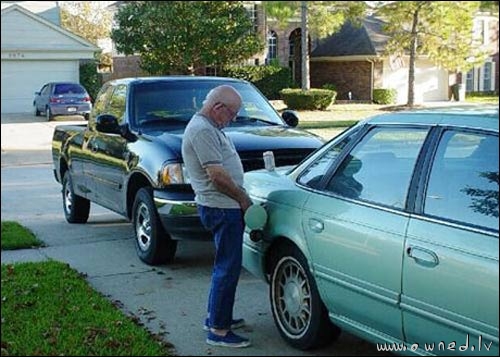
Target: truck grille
252, 160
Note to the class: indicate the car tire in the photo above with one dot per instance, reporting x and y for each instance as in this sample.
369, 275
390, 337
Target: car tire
154, 246
76, 208
298, 311
48, 114
37, 112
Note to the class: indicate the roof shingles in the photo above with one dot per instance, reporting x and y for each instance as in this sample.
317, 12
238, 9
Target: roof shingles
367, 39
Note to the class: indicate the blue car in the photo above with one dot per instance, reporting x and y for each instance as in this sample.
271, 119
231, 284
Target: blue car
62, 98
388, 231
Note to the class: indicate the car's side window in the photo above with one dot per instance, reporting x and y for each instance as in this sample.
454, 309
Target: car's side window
379, 168
463, 182
313, 175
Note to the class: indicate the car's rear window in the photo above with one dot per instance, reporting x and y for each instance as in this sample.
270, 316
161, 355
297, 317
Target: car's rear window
68, 88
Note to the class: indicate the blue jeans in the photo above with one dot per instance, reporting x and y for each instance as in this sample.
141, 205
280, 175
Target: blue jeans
227, 227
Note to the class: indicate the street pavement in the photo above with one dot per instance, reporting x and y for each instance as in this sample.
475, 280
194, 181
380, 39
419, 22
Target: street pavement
169, 300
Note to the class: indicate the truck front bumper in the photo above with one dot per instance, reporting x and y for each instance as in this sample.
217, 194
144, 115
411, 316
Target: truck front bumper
179, 215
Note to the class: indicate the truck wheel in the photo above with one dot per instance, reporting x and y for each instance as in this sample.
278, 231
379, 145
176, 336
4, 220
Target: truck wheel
76, 208
154, 246
298, 312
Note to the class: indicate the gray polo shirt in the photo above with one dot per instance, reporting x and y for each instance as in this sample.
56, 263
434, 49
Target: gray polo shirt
203, 145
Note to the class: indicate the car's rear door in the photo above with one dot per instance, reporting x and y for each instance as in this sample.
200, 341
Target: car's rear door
450, 263
355, 226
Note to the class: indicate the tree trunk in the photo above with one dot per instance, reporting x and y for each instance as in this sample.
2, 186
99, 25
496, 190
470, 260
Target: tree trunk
305, 48
413, 55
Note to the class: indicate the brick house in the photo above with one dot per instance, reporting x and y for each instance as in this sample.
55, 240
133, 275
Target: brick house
353, 60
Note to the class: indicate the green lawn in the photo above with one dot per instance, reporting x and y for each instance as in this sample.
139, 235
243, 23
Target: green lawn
482, 99
49, 309
15, 236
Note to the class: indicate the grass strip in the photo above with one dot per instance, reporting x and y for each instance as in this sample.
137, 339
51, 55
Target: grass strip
49, 309
15, 236
322, 124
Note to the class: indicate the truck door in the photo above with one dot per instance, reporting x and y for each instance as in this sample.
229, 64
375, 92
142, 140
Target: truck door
107, 168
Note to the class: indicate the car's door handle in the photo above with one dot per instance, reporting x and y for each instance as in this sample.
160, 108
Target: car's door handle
316, 225
423, 256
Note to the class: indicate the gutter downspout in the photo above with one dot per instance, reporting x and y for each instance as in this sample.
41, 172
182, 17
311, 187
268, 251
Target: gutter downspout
372, 66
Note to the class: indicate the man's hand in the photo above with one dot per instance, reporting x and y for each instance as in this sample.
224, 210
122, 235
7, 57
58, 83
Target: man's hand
247, 202
225, 184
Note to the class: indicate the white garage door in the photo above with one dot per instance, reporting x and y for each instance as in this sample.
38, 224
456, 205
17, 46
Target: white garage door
431, 82
21, 79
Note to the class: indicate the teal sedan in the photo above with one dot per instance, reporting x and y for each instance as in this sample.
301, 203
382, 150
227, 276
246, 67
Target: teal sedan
388, 231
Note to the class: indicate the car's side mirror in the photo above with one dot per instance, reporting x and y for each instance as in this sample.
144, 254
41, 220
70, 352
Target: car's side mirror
107, 123
290, 117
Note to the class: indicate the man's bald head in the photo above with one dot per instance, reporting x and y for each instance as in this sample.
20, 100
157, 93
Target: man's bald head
224, 94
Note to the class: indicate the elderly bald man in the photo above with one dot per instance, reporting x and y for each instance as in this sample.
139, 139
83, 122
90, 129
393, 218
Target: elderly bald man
216, 175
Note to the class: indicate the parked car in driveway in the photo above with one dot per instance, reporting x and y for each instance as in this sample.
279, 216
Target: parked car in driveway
389, 231
62, 98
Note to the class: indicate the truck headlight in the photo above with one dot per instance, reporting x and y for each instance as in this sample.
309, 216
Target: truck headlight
173, 174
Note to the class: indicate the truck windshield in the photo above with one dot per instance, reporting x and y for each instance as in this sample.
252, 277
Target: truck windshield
173, 102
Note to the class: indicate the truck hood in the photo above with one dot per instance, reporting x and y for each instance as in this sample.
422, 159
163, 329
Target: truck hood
254, 138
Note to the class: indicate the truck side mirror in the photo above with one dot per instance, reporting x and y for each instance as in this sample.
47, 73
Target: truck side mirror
107, 123
290, 117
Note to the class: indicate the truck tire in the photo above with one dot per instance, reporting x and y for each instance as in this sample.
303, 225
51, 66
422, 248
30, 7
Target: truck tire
76, 208
154, 246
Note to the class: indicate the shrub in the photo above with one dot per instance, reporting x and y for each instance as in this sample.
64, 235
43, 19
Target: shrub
329, 86
90, 79
268, 79
313, 99
384, 96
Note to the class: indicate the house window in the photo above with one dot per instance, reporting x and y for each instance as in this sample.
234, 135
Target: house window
211, 71
478, 31
293, 41
469, 84
480, 79
487, 76
272, 46
482, 36
252, 13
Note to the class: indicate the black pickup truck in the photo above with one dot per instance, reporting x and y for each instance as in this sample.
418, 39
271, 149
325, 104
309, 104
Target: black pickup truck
127, 157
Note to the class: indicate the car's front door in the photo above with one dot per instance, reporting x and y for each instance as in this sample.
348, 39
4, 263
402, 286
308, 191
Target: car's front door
355, 226
450, 265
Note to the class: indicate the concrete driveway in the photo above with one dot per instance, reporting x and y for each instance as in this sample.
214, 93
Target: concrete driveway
27, 132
